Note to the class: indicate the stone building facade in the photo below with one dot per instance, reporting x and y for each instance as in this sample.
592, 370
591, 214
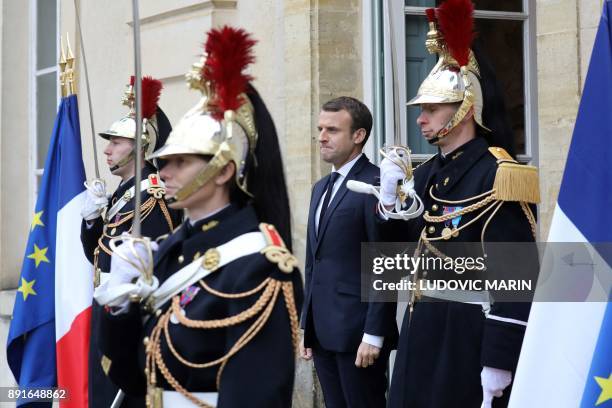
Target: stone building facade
308, 52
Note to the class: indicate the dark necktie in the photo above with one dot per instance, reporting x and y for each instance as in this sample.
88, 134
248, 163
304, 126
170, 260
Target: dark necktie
189, 229
328, 193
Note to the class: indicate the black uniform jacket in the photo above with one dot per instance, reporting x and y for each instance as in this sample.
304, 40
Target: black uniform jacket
159, 221
444, 344
155, 224
261, 373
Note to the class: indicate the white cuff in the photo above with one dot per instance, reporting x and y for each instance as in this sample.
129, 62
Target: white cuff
376, 341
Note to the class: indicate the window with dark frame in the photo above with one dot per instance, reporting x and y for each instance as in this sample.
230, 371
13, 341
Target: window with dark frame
45, 81
501, 27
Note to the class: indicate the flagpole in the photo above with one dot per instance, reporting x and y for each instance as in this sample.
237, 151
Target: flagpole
394, 90
91, 120
138, 118
136, 232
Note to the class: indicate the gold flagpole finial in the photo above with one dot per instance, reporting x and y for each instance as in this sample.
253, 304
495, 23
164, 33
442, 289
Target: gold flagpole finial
62, 66
70, 81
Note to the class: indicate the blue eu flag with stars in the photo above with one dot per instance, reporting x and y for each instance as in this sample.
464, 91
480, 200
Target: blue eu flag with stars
31, 339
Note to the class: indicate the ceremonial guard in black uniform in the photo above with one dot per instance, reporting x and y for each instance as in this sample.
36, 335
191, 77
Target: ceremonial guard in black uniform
220, 303
459, 348
103, 220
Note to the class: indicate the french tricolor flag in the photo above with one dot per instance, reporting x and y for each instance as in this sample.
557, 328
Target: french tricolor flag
566, 359
48, 338
73, 277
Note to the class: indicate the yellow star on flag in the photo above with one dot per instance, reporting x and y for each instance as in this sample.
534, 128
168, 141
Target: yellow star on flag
37, 221
26, 288
39, 255
606, 389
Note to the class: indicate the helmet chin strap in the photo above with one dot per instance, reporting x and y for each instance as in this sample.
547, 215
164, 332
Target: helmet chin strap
127, 159
434, 140
214, 166
452, 123
442, 133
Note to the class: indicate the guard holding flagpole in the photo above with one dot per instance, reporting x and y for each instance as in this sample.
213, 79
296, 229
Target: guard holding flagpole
48, 337
104, 219
459, 349
220, 302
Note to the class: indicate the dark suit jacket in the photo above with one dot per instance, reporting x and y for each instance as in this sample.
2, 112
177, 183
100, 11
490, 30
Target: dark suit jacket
333, 306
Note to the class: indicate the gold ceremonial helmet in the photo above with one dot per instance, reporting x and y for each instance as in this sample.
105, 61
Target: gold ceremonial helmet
455, 77
222, 123
126, 126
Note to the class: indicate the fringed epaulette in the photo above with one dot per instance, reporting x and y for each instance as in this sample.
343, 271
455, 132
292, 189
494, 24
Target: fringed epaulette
276, 251
515, 181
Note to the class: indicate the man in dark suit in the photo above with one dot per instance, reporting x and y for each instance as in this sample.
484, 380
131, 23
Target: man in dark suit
350, 340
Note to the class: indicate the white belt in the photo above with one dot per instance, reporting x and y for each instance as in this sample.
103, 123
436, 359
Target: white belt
104, 276
127, 196
243, 245
471, 297
173, 399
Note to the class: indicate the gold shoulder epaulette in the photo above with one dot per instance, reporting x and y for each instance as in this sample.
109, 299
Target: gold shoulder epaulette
515, 181
500, 153
276, 251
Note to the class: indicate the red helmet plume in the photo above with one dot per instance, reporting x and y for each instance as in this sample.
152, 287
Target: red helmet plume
229, 51
151, 91
456, 20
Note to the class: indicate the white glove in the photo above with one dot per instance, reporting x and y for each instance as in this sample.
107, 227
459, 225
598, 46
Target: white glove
128, 260
494, 382
390, 174
95, 201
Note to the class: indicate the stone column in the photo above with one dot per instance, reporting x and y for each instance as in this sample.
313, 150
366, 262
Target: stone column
323, 60
15, 150
558, 95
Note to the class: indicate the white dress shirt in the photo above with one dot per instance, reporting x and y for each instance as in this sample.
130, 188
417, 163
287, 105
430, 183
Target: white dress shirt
343, 172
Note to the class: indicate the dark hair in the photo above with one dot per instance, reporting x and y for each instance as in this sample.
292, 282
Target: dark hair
361, 117
265, 174
494, 113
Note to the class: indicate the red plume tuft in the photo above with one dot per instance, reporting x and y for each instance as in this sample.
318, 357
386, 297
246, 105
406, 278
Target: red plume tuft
431, 15
229, 51
132, 79
456, 19
151, 91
